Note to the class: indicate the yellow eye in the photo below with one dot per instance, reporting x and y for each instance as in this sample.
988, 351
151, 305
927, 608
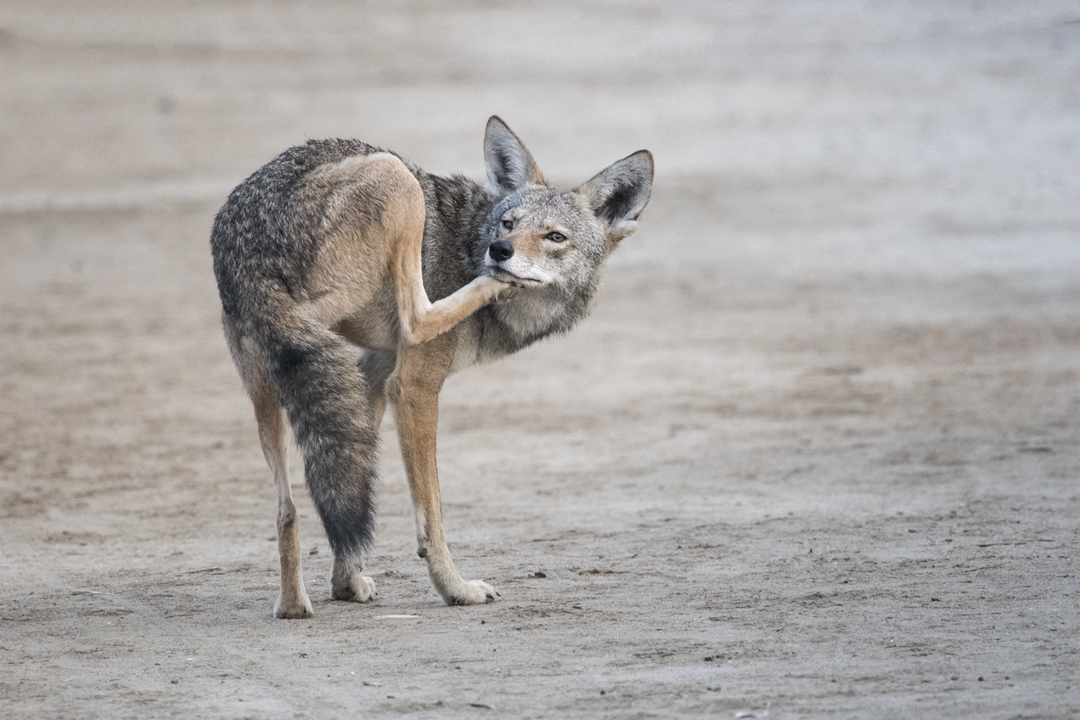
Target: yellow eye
555, 237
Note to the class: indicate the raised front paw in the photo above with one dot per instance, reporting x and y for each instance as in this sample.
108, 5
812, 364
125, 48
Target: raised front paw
473, 592
498, 291
506, 294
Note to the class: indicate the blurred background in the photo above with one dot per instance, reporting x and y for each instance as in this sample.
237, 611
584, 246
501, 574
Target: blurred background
935, 137
973, 103
849, 324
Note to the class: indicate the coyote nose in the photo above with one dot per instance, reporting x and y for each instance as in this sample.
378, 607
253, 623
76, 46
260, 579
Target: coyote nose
501, 250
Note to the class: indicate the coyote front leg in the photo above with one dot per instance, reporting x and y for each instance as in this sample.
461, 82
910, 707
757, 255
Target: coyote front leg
414, 393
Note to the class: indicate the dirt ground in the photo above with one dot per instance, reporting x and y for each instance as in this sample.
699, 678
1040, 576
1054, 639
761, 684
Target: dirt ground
814, 454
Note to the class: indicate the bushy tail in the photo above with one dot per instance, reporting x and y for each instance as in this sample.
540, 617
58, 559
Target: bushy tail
324, 394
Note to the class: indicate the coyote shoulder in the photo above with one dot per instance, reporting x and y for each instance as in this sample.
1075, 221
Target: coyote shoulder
349, 277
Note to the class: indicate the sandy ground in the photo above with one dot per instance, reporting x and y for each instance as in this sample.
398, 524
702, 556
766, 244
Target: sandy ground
814, 455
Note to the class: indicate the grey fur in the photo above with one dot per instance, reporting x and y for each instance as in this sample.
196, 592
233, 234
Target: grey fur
266, 241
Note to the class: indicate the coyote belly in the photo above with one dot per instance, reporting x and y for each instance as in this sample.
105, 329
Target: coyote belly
349, 278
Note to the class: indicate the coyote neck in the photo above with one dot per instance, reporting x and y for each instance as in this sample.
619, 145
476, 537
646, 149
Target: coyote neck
456, 209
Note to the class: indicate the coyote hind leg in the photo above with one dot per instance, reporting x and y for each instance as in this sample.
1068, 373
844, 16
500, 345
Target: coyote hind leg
422, 320
347, 581
293, 602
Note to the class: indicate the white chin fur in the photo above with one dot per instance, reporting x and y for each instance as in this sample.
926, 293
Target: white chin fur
521, 271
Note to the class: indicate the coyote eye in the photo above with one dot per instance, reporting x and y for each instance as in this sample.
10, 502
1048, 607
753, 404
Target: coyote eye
508, 224
555, 237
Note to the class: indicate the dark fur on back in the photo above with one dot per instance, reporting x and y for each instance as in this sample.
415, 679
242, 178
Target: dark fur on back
262, 241
263, 234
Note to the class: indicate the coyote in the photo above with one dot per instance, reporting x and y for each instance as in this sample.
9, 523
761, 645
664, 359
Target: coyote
349, 277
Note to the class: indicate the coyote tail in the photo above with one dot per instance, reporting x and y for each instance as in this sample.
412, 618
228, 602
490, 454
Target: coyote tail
318, 381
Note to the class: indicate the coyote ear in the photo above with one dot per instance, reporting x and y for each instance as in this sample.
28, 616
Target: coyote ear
510, 167
618, 194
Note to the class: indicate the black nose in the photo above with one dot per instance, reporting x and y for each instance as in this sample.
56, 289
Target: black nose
501, 250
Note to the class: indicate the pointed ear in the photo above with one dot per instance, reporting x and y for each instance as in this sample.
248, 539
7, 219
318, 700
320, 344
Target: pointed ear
510, 167
618, 194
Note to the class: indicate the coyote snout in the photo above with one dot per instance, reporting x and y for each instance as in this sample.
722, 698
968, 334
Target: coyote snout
516, 271
500, 250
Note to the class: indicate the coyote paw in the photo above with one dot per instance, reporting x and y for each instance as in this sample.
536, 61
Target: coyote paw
296, 609
353, 588
473, 592
507, 294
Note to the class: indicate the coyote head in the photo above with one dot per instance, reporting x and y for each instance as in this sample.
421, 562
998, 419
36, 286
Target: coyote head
549, 242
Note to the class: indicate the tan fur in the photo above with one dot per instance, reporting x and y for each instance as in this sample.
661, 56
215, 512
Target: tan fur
293, 601
317, 256
367, 283
414, 393
356, 262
